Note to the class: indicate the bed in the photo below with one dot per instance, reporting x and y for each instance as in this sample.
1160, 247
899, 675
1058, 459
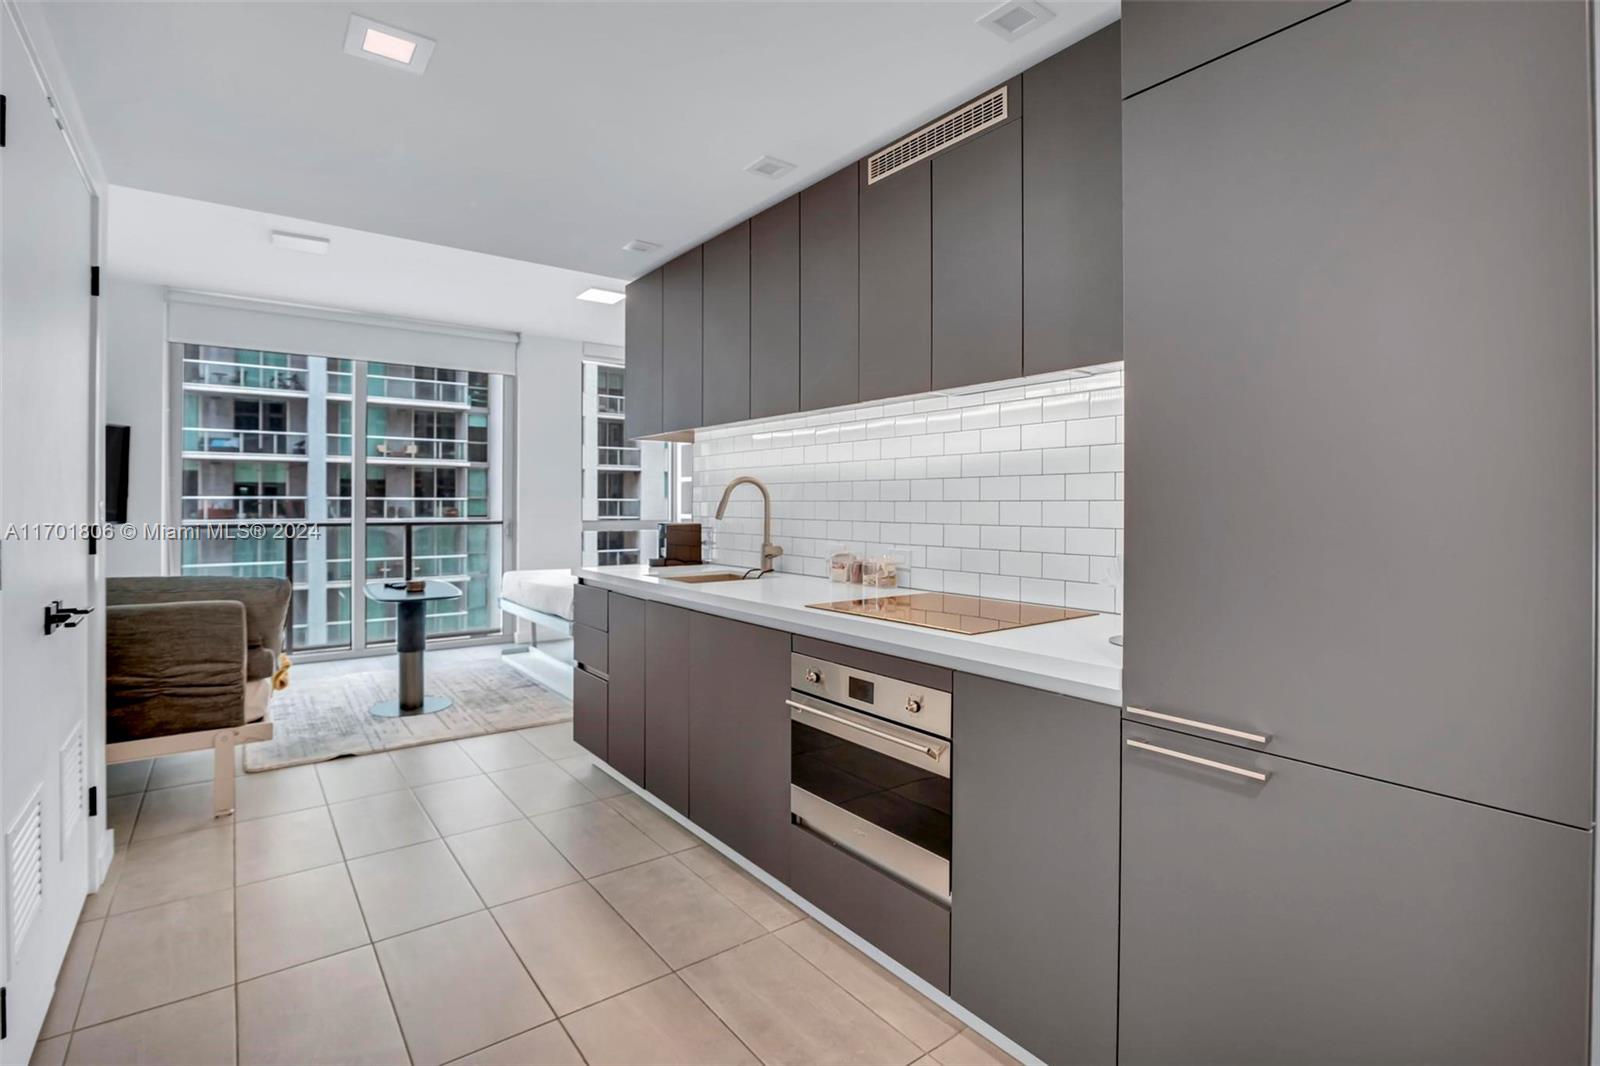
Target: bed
543, 597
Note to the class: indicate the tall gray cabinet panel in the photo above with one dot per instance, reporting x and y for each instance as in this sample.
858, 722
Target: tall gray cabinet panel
726, 371
739, 737
625, 691
1325, 917
1359, 500
1034, 916
896, 266
829, 292
1163, 38
977, 259
775, 310
666, 706
641, 383
1072, 207
681, 342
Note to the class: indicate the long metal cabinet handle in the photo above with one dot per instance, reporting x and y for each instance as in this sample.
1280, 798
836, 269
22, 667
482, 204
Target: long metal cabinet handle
1239, 734
932, 753
1254, 775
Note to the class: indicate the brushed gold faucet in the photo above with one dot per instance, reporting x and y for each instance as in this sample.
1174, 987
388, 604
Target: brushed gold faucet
769, 550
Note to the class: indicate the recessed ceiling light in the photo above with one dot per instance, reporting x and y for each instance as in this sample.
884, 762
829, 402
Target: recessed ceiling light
1011, 20
389, 45
602, 296
770, 167
301, 242
641, 246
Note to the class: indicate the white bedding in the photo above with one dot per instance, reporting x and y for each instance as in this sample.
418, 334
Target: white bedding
547, 591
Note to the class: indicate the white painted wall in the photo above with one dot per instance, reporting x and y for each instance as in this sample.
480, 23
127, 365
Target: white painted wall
138, 396
549, 448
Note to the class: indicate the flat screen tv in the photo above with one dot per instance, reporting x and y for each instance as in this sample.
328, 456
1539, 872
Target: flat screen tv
116, 474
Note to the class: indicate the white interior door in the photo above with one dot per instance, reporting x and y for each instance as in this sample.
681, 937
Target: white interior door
44, 466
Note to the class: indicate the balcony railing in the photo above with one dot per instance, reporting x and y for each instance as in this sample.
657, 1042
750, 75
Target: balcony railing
393, 387
608, 403
617, 556
617, 508
619, 457
221, 441
426, 449
425, 506
243, 508
243, 376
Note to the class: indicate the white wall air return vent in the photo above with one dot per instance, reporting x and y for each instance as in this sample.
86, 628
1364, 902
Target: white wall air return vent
987, 110
74, 787
24, 872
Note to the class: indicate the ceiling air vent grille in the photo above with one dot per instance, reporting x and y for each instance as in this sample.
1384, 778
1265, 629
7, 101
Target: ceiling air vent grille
986, 111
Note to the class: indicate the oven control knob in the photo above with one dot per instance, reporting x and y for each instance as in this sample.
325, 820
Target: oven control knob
913, 705
814, 676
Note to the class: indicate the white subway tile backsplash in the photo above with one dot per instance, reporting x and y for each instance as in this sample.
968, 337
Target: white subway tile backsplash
1013, 492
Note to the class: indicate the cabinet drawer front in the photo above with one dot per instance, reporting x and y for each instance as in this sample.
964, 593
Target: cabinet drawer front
589, 700
591, 649
1318, 915
589, 607
904, 924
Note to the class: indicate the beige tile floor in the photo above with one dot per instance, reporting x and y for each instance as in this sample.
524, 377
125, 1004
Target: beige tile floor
498, 900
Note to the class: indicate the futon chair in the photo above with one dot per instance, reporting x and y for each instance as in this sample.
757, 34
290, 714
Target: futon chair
190, 663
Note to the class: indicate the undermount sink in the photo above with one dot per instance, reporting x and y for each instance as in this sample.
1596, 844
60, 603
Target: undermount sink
700, 579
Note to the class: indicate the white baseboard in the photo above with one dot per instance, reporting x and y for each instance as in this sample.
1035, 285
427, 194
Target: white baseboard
989, 1032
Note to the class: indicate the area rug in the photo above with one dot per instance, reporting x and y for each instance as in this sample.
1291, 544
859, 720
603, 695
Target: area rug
325, 717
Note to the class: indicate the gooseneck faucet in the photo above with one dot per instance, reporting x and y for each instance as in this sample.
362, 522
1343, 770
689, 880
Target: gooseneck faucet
769, 550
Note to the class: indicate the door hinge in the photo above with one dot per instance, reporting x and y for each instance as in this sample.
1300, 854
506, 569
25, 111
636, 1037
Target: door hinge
93, 540
94, 281
2, 120
2, 1013
94, 800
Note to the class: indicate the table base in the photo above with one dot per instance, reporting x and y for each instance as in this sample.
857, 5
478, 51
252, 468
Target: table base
392, 709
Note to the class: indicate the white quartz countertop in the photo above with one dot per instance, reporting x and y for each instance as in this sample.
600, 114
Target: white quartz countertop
1074, 658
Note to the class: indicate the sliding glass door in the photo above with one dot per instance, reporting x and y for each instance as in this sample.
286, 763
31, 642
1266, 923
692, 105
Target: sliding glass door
273, 478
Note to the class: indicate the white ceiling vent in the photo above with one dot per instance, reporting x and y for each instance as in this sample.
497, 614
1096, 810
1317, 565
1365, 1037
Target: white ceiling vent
986, 111
1012, 20
770, 167
641, 246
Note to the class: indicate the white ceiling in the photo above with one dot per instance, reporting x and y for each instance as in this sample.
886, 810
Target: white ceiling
190, 244
545, 132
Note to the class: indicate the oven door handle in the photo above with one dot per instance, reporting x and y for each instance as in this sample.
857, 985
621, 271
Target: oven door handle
934, 752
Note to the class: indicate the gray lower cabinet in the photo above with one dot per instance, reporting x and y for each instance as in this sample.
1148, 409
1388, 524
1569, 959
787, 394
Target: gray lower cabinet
725, 265
1072, 208
977, 259
899, 921
775, 310
589, 712
1033, 938
1320, 916
739, 737
625, 687
896, 301
1164, 38
682, 326
666, 704
1379, 365
641, 385
830, 296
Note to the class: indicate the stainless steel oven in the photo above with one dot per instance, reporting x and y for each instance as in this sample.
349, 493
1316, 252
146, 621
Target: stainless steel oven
869, 768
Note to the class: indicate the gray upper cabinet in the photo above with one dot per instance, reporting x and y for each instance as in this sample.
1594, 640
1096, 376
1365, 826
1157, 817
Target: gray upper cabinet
1034, 915
775, 310
739, 737
1072, 208
726, 268
1359, 505
977, 259
1163, 38
641, 385
896, 269
681, 342
829, 292
1323, 917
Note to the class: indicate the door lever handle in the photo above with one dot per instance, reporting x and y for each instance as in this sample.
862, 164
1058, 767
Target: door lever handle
59, 617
